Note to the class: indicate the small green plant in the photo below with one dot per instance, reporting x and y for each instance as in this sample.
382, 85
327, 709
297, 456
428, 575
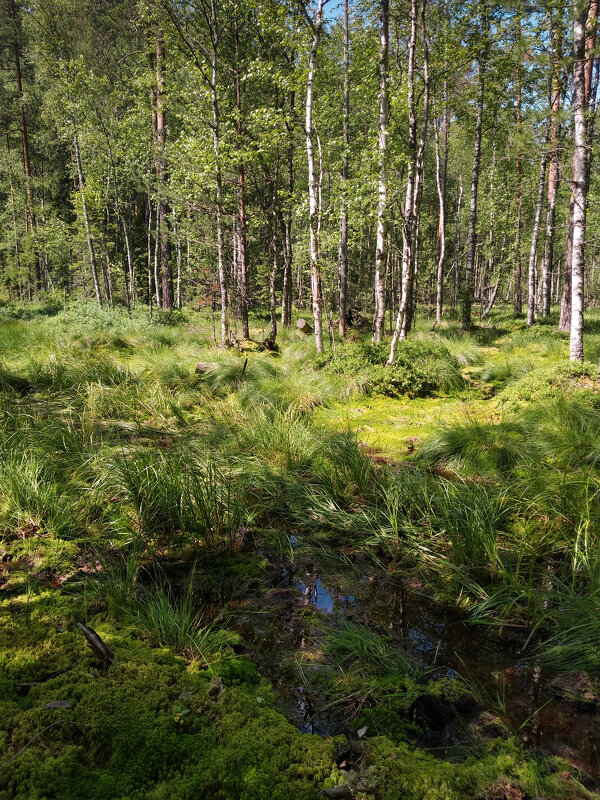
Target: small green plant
115, 579
180, 624
361, 648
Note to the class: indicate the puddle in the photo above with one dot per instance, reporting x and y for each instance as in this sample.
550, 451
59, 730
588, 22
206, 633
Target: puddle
315, 595
275, 615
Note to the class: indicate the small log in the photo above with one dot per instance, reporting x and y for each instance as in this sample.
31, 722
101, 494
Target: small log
203, 367
99, 649
303, 326
24, 686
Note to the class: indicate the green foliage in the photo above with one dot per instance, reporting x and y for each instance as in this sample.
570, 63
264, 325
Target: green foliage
478, 448
551, 382
169, 497
504, 368
114, 456
28, 311
30, 496
361, 648
577, 618
471, 516
178, 623
420, 367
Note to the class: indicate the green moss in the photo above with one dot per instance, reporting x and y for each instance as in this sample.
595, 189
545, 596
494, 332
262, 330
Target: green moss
406, 772
394, 427
124, 734
579, 380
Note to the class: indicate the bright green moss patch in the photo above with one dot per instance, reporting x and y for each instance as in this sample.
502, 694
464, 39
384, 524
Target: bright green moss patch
150, 727
406, 772
147, 722
395, 427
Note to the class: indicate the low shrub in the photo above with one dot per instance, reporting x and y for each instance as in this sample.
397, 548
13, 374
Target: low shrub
541, 385
420, 367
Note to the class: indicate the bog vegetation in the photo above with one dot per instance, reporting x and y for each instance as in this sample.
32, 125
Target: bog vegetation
155, 503
299, 416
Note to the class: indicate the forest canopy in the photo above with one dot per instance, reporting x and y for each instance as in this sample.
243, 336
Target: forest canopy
354, 159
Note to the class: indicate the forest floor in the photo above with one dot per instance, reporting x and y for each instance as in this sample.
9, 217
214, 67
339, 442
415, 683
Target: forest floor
315, 576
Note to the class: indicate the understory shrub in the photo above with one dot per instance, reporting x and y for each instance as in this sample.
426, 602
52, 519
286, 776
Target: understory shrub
420, 367
541, 385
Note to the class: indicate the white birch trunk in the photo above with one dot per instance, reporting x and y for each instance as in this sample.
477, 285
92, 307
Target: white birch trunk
380, 256
535, 236
313, 188
471, 236
86, 222
407, 220
579, 180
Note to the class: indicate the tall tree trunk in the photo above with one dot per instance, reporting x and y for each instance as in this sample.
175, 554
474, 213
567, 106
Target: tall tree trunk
214, 33
286, 294
31, 221
176, 229
407, 220
535, 235
490, 265
241, 193
313, 188
458, 241
273, 273
86, 222
108, 280
14, 214
419, 180
243, 251
157, 281
580, 183
440, 180
591, 21
517, 293
441, 169
380, 254
556, 38
166, 279
275, 214
472, 232
130, 271
343, 253
149, 249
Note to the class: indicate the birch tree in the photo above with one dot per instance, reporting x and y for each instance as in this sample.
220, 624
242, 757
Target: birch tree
313, 182
580, 176
380, 246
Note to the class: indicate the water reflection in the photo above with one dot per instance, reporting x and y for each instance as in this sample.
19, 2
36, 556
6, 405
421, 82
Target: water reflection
285, 644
